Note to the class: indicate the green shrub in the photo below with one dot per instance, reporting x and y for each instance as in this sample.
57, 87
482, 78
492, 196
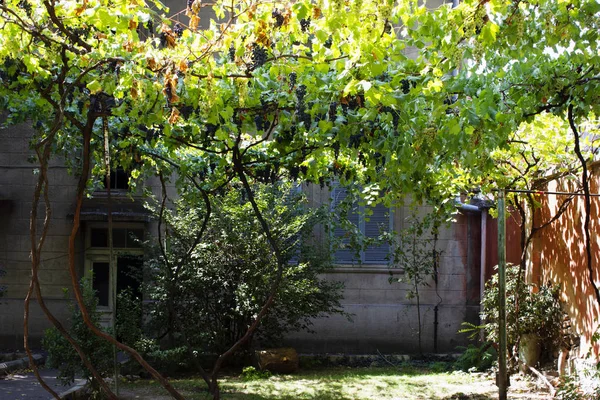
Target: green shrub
128, 323
439, 366
568, 389
538, 313
252, 374
226, 278
62, 356
476, 358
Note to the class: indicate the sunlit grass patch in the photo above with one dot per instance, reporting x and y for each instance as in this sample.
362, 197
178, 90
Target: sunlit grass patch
336, 384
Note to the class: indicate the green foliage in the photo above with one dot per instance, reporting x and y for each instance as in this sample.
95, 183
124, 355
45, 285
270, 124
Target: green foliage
476, 358
416, 254
472, 329
439, 367
568, 389
538, 312
252, 374
228, 275
128, 323
62, 356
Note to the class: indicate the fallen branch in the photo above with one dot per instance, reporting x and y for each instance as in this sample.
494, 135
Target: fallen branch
543, 379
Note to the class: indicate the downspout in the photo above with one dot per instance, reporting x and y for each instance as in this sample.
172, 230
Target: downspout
484, 215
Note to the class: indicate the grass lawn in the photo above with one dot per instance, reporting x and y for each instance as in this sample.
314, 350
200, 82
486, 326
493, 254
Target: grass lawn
339, 384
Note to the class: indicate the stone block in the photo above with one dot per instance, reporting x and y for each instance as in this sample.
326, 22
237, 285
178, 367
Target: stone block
280, 360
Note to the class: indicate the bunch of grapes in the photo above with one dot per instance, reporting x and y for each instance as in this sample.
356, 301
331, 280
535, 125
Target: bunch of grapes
301, 113
278, 17
150, 27
292, 78
405, 86
379, 160
168, 93
300, 94
304, 24
294, 172
178, 29
210, 130
261, 124
231, 53
189, 4
394, 114
333, 110
345, 109
79, 32
355, 102
356, 139
336, 149
304, 117
24, 5
259, 56
163, 39
328, 42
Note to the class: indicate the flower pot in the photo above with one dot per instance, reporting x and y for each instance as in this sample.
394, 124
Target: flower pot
530, 349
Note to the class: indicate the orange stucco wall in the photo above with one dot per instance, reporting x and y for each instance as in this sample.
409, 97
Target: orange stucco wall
559, 256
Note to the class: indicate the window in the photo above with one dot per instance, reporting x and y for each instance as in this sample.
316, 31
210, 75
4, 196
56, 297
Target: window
119, 179
370, 226
125, 238
125, 270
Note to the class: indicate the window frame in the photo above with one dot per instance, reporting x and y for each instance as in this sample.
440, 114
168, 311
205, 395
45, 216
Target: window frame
361, 228
102, 254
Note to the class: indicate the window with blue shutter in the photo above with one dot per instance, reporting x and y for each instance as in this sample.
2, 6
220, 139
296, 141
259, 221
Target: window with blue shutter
370, 226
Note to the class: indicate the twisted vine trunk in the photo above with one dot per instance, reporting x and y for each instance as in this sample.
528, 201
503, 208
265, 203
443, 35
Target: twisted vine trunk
588, 202
81, 186
42, 186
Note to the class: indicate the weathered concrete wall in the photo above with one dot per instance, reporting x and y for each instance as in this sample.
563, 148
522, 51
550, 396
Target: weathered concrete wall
17, 182
383, 318
559, 256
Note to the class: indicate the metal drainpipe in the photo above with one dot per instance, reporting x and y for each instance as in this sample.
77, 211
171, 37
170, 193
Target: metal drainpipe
435, 309
484, 215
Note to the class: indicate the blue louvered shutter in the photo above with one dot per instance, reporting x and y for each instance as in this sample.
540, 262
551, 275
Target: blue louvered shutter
379, 221
345, 255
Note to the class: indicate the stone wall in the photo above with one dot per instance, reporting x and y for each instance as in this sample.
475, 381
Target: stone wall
383, 318
17, 182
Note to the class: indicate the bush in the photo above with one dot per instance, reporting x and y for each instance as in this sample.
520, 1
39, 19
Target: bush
226, 278
476, 358
128, 323
62, 356
252, 374
538, 313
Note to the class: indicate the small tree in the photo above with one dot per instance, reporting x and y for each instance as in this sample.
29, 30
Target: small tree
415, 252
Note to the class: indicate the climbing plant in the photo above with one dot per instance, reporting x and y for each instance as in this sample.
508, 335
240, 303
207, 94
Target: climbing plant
390, 95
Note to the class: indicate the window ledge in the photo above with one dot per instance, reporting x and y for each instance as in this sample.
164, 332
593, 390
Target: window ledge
365, 269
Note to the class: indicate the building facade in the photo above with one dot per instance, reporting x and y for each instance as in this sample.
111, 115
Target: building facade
383, 319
